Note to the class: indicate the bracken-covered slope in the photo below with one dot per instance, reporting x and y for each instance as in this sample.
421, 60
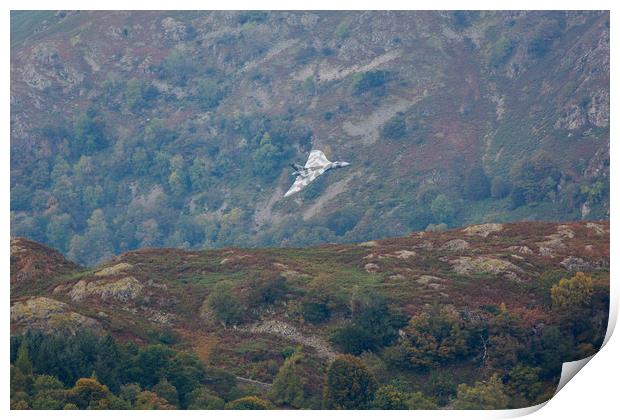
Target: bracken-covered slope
155, 294
150, 129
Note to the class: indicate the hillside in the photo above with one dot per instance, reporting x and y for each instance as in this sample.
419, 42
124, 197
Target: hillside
153, 129
243, 310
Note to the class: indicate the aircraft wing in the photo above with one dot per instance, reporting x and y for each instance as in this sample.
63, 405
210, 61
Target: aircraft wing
301, 182
316, 159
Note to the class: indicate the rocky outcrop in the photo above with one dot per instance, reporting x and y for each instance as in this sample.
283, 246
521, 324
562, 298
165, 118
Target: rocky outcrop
49, 315
555, 241
484, 265
123, 290
598, 229
520, 249
455, 245
574, 264
483, 230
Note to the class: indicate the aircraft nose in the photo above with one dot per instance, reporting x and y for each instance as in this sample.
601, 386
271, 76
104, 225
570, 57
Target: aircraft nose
344, 163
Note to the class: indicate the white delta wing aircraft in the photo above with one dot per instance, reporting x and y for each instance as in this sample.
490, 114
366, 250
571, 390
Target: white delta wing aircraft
316, 165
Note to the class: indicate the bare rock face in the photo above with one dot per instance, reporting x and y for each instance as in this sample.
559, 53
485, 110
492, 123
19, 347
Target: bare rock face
123, 290
574, 264
483, 230
520, 249
572, 118
455, 245
555, 241
598, 109
483, 265
49, 315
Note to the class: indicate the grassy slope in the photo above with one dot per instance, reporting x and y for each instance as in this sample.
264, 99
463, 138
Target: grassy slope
176, 283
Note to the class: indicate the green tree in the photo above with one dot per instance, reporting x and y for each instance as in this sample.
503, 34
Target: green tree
248, 403
314, 312
417, 401
178, 68
20, 197
435, 337
88, 393
19, 405
477, 185
572, 293
309, 86
129, 392
500, 188
266, 157
133, 95
43, 383
20, 383
221, 381
442, 209
442, 386
46, 402
534, 178
267, 290
147, 400
349, 385
109, 363
23, 362
388, 397
151, 363
224, 303
369, 81
203, 399
395, 128
208, 94
88, 134
352, 339
167, 391
288, 385
525, 381
488, 395
96, 243
501, 51
185, 372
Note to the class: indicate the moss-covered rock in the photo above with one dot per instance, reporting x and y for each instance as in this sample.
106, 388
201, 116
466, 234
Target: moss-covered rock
49, 315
